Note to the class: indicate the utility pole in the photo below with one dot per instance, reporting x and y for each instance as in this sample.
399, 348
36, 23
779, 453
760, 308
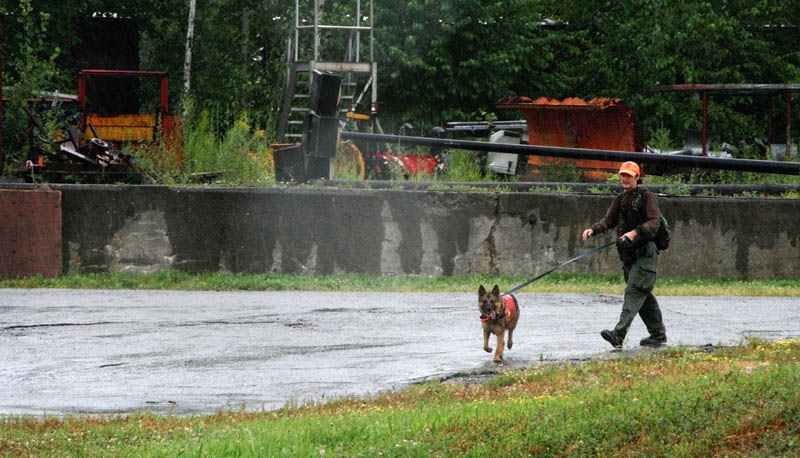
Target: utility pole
187, 63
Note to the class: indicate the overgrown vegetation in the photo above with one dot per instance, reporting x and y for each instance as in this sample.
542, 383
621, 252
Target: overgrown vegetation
571, 282
462, 57
465, 166
238, 156
739, 401
440, 61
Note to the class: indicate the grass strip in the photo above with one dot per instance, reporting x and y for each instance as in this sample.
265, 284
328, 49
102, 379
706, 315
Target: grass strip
739, 401
557, 282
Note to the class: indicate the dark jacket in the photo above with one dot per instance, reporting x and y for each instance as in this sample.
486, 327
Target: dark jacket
635, 209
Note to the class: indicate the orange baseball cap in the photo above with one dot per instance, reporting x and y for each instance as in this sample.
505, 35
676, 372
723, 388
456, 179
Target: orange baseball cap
629, 168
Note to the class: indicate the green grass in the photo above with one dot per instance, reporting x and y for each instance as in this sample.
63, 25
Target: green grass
740, 401
565, 282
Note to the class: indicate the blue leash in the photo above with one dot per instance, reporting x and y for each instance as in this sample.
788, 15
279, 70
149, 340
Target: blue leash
594, 250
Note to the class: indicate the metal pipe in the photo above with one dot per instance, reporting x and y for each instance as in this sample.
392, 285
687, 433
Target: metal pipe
120, 73
705, 121
527, 186
741, 165
788, 124
769, 126
371, 33
164, 94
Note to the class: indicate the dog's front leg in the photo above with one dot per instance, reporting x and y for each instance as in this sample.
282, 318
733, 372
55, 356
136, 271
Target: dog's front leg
510, 338
486, 346
498, 354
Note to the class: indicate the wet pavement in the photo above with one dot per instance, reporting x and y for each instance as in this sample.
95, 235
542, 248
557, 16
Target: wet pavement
183, 352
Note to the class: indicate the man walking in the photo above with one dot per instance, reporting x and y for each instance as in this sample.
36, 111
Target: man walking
635, 214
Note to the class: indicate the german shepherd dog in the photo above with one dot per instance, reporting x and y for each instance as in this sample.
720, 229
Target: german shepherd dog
499, 313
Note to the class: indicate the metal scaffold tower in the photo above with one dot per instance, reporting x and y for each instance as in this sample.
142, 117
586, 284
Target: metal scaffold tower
337, 48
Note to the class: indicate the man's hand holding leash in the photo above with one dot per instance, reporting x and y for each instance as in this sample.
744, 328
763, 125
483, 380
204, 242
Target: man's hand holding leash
630, 235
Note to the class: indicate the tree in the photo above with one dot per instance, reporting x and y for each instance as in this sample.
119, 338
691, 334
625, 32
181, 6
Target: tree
452, 59
187, 63
28, 67
447, 60
628, 47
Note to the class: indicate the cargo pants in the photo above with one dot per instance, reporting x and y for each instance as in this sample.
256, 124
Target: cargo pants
640, 278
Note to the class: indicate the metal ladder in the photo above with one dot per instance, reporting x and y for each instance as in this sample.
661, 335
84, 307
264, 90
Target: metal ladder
303, 57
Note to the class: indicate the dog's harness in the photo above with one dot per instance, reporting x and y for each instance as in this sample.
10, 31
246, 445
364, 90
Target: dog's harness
509, 308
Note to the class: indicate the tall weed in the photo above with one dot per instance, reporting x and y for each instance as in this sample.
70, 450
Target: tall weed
463, 166
238, 156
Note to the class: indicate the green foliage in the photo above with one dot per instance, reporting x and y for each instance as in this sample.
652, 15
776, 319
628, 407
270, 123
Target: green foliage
28, 67
557, 171
467, 188
793, 194
237, 157
443, 61
599, 190
454, 41
588, 53
747, 194
344, 166
463, 166
660, 140
239, 154
30, 60
679, 189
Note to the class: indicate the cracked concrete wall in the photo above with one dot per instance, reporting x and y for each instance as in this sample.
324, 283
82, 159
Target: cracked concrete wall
397, 232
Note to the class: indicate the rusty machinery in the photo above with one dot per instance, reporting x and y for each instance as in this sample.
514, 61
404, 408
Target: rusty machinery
128, 127
91, 152
73, 159
597, 124
596, 136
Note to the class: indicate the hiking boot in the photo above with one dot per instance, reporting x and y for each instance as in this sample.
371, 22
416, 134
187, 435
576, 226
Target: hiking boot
612, 338
654, 341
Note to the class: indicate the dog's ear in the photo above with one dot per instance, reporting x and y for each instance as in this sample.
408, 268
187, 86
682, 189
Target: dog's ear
481, 290
496, 290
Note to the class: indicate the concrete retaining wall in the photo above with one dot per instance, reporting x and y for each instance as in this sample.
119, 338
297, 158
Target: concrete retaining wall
397, 232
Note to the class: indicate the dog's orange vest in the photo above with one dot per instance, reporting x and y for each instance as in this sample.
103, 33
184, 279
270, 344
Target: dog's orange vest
511, 306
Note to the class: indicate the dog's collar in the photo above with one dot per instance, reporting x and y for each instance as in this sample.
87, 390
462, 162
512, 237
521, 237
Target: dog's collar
500, 316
